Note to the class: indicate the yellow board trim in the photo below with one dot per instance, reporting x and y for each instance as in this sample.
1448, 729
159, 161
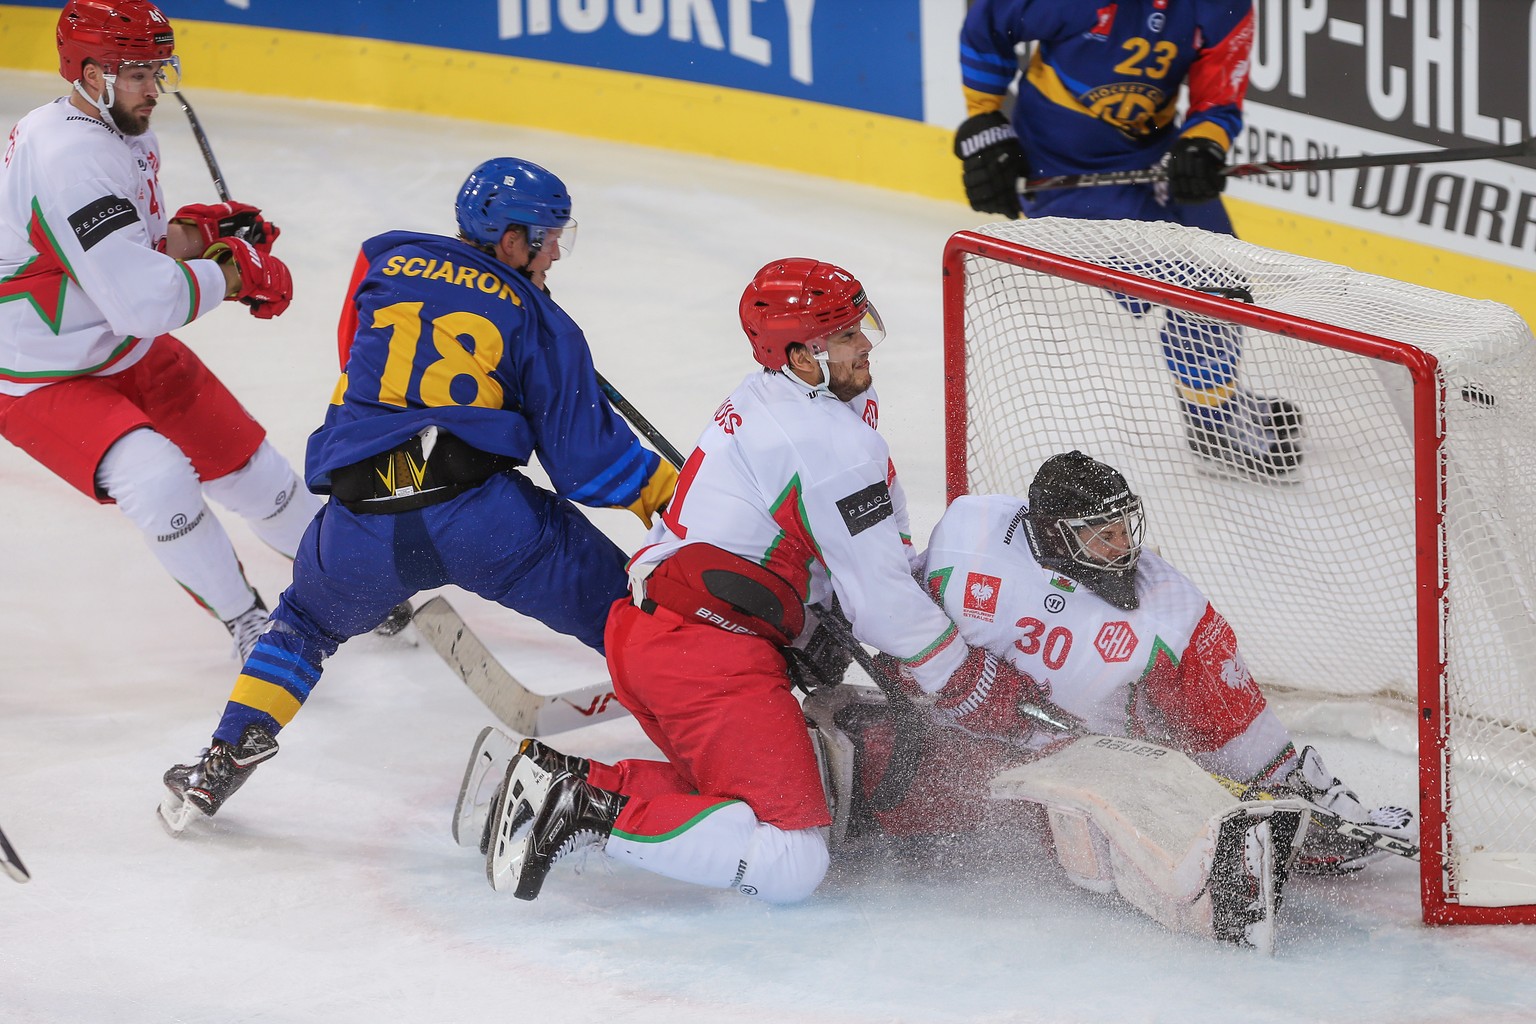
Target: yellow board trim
1374, 253
792, 135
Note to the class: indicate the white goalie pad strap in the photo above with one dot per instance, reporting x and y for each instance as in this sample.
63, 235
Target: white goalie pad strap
1139, 819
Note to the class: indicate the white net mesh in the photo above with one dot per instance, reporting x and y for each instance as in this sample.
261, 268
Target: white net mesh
1311, 560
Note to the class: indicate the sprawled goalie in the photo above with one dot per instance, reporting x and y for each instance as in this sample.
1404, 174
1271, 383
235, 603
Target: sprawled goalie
1138, 702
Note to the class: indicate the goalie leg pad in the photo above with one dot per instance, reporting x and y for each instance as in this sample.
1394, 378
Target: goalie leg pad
1147, 822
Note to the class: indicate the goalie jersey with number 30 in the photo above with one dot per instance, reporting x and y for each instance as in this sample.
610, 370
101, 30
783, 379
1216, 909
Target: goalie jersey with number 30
1167, 670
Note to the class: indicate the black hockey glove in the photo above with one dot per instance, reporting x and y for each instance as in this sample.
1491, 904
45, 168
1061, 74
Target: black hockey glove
993, 162
1194, 170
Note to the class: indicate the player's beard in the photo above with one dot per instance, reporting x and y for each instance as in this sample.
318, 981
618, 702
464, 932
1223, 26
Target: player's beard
847, 383
128, 122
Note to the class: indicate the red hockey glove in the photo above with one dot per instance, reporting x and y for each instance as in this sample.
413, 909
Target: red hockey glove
265, 284
1194, 170
983, 697
229, 220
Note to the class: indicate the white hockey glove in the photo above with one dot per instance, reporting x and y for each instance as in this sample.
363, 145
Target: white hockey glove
1349, 835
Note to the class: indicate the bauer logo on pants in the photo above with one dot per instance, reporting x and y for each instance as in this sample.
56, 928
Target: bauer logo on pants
864, 508
97, 220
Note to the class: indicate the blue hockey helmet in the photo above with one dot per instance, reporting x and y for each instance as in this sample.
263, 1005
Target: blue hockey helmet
509, 190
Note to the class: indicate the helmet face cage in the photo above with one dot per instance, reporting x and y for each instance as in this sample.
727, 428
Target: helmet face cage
1117, 529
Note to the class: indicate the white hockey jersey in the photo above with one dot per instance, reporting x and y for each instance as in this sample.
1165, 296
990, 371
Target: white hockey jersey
82, 289
799, 482
1167, 671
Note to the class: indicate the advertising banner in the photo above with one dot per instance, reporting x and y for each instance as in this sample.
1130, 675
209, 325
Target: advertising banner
847, 53
1344, 77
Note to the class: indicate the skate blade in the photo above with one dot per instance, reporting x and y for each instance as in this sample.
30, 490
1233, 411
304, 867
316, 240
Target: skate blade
488, 760
176, 813
521, 795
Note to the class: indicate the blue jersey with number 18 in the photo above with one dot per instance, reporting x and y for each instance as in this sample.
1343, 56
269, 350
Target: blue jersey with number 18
449, 336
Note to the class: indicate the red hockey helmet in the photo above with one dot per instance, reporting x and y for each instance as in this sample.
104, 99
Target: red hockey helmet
802, 301
112, 33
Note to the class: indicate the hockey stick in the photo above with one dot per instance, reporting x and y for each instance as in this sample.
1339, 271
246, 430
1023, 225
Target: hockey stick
11, 863
1052, 718
519, 708
1151, 175
639, 422
202, 143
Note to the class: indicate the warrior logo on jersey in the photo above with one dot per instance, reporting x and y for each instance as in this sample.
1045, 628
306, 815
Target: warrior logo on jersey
1103, 23
1115, 642
981, 596
865, 507
97, 220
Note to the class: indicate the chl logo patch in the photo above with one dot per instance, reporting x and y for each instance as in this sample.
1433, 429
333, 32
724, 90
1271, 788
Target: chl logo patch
97, 220
872, 413
981, 596
864, 508
1115, 642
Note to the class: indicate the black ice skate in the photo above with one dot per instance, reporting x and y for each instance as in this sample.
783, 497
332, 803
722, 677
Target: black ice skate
201, 788
1255, 436
246, 627
573, 815
487, 767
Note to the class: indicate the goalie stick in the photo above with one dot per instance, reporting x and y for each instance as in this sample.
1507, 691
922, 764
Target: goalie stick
1152, 175
519, 708
1053, 719
11, 863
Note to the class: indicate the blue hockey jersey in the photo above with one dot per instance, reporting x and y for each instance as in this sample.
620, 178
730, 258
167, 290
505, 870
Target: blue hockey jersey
447, 335
1102, 85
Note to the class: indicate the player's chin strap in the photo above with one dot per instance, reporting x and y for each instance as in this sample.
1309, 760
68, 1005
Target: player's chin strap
103, 105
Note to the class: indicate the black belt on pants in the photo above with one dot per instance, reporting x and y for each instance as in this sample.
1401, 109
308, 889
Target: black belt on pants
425, 470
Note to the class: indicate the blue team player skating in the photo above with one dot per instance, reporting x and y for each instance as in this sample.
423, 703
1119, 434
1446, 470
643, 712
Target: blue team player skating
460, 369
1100, 93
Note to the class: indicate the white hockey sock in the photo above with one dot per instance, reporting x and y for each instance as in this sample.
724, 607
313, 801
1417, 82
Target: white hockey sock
729, 849
154, 485
268, 495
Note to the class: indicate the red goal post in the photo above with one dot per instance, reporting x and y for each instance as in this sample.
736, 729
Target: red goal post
1386, 577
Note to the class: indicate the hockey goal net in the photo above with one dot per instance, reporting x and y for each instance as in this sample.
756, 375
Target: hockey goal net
1342, 461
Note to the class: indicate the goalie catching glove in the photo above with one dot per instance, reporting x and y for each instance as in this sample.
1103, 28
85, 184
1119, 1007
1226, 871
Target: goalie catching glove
263, 282
214, 221
993, 162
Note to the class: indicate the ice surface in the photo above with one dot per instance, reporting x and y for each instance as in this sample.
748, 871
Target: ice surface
331, 891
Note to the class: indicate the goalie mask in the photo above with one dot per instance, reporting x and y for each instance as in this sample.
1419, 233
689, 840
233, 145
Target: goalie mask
1084, 521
